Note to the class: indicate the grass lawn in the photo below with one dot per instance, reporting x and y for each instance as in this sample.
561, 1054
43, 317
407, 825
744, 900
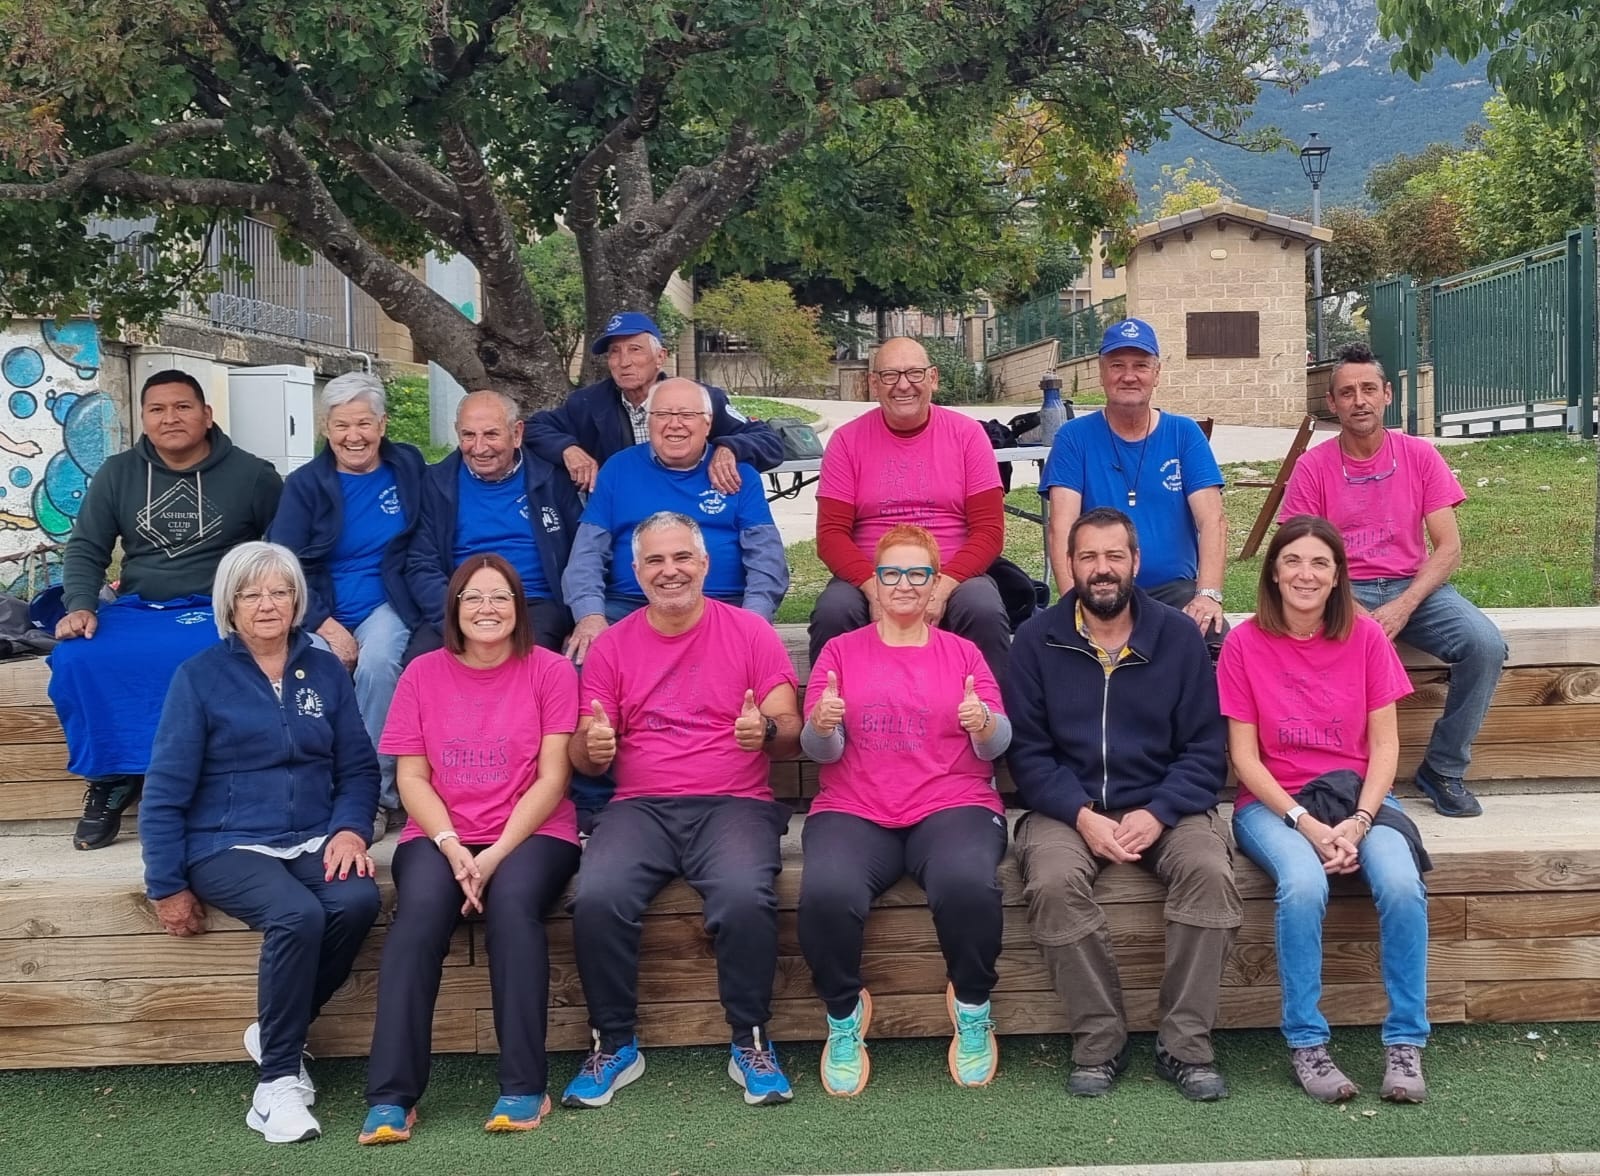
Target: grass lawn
762, 409
1527, 527
1495, 1089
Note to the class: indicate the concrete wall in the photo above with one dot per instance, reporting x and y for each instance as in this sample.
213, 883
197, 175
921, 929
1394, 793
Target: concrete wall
1226, 270
1016, 372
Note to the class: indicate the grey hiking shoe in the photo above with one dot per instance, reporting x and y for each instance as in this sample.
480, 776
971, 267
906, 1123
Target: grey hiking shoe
1094, 1081
1319, 1077
1198, 1081
1402, 1074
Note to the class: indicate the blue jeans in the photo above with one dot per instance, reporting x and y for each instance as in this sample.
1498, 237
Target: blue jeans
1452, 629
381, 639
1302, 901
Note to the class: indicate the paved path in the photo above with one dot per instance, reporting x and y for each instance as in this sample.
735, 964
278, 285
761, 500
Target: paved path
1563, 1164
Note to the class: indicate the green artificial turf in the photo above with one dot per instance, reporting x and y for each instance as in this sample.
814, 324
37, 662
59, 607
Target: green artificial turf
1496, 1089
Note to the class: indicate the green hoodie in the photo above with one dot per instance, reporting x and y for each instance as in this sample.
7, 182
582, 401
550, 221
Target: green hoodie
175, 525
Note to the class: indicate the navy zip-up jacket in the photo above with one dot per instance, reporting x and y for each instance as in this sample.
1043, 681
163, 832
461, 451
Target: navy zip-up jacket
1148, 735
234, 765
310, 519
553, 510
593, 419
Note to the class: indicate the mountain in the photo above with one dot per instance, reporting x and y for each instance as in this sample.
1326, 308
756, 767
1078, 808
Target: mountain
1363, 110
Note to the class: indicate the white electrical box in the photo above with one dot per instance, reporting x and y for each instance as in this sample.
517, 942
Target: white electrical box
213, 377
272, 410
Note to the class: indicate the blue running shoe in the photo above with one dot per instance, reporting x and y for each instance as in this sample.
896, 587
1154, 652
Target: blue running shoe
387, 1123
517, 1112
603, 1074
755, 1067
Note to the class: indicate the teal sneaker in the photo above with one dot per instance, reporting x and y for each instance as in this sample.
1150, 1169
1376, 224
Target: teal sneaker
974, 1053
517, 1112
387, 1123
755, 1068
845, 1065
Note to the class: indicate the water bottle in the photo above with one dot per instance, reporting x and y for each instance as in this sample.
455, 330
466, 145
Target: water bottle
1053, 414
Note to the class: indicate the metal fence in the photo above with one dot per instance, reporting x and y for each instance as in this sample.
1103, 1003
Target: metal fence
1044, 318
261, 291
1515, 339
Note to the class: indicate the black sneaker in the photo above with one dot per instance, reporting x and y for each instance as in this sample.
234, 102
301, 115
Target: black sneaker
104, 802
1199, 1081
1094, 1081
1449, 795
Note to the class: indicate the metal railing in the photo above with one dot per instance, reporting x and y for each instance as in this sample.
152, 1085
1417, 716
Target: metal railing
1044, 318
264, 293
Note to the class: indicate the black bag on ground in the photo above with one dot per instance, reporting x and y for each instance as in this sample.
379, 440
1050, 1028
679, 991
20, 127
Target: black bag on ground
800, 440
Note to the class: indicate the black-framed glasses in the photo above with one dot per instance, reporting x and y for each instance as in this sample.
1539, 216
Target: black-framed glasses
472, 598
889, 575
889, 377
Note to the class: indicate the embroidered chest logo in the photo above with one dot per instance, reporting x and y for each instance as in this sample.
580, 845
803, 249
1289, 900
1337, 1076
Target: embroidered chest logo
550, 519
712, 502
389, 501
177, 520
308, 702
192, 618
522, 506
1172, 475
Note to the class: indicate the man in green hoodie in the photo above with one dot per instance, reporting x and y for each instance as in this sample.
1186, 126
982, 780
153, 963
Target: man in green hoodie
178, 500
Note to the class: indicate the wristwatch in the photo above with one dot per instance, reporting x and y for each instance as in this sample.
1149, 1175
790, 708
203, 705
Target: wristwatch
772, 729
1210, 594
1292, 817
444, 835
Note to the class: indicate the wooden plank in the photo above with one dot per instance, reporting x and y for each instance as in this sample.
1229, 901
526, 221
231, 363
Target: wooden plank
31, 724
47, 800
126, 957
1513, 959
1518, 686
24, 681
1519, 916
33, 761
208, 1040
1534, 1000
1507, 761
1527, 726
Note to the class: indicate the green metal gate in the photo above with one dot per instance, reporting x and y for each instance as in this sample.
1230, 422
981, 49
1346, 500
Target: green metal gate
1515, 340
1392, 315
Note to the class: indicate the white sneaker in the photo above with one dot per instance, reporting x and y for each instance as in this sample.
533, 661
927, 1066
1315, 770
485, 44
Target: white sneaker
277, 1112
252, 1046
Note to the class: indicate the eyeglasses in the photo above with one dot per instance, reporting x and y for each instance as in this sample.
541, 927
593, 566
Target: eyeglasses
252, 597
472, 598
889, 377
889, 576
682, 415
1363, 479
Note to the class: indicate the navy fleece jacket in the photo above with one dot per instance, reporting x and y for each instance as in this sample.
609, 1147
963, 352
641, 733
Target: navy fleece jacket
553, 511
233, 765
311, 516
1150, 735
593, 419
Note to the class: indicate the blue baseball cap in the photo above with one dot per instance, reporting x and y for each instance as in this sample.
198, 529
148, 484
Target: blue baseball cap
1130, 332
620, 326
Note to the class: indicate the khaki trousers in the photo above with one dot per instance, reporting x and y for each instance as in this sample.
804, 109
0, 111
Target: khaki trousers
1194, 860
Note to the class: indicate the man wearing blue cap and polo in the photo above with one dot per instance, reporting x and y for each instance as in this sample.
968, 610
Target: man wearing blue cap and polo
1155, 467
604, 418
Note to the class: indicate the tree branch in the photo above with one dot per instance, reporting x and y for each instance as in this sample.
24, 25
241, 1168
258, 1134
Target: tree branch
77, 175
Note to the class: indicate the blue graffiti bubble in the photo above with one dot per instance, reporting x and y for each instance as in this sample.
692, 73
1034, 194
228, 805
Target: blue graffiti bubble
76, 344
22, 366
60, 405
23, 405
92, 431
21, 477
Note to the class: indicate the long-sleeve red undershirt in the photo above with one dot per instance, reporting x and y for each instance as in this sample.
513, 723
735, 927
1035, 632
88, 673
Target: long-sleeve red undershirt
986, 535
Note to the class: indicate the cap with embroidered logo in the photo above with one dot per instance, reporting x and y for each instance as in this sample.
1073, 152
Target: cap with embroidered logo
1130, 332
620, 326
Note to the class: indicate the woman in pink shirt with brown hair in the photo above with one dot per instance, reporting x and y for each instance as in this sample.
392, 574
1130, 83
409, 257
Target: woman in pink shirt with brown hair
480, 731
1309, 688
905, 720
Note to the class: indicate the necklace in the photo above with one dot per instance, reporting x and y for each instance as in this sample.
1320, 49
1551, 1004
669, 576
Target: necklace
1144, 442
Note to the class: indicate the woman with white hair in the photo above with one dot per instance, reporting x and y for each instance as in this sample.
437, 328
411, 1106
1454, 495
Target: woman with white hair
348, 515
258, 801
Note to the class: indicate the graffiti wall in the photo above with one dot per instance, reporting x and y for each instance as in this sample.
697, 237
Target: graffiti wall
56, 428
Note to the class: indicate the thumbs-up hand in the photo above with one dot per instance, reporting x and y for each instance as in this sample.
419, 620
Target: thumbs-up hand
600, 739
829, 711
750, 728
973, 714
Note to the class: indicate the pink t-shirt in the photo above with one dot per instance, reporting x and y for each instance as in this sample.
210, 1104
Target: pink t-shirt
481, 731
673, 701
1381, 521
905, 754
923, 478
1308, 700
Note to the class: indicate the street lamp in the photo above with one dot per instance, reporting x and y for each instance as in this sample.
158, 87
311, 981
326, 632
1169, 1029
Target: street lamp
1314, 162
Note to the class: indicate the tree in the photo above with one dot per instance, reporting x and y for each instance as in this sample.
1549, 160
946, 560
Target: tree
1357, 256
1543, 54
785, 346
372, 132
1387, 181
1189, 185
